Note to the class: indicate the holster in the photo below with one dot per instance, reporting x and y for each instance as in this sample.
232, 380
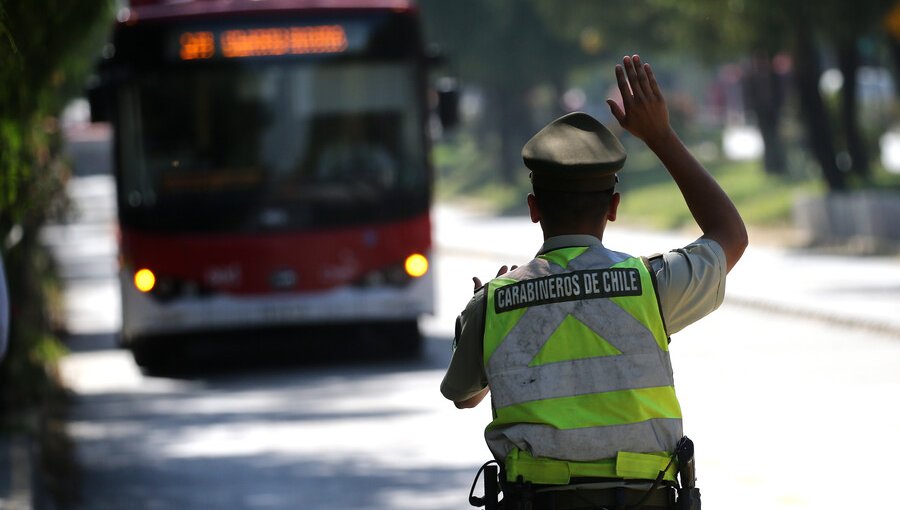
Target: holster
492, 472
688, 498
491, 487
688, 494
518, 495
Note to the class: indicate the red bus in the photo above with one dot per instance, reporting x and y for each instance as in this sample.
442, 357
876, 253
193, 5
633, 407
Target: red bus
272, 168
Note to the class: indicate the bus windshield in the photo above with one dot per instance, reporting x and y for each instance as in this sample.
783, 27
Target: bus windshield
271, 145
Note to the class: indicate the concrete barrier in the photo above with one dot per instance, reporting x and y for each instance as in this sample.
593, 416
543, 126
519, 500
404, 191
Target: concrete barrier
871, 217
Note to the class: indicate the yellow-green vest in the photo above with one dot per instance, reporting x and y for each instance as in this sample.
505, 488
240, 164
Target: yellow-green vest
576, 355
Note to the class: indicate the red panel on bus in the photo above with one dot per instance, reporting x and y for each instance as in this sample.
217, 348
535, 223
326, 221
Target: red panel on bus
265, 263
165, 9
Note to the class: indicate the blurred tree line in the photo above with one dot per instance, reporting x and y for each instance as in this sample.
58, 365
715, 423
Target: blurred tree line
777, 49
47, 48
524, 55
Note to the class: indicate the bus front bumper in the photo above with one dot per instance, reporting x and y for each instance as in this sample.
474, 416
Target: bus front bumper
144, 315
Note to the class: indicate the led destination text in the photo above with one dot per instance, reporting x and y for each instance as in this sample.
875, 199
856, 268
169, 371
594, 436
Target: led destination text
263, 42
589, 284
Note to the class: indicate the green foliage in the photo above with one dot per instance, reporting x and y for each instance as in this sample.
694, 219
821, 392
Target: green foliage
47, 48
612, 28
466, 172
649, 196
462, 166
46, 51
27, 373
506, 49
505, 43
719, 29
512, 49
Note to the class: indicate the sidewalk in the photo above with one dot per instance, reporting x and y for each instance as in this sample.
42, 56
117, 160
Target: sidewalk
16, 473
855, 291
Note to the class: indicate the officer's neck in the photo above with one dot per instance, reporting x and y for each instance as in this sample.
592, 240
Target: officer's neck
567, 230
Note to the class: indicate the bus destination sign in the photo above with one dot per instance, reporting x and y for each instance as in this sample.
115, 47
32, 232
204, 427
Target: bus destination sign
262, 42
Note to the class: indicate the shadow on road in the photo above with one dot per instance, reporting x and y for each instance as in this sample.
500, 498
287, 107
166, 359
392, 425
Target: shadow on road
311, 434
318, 485
236, 359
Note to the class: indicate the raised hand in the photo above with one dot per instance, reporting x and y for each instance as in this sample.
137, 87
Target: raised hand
645, 114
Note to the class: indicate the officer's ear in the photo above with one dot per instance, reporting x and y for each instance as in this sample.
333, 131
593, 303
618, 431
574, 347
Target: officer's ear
533, 210
613, 207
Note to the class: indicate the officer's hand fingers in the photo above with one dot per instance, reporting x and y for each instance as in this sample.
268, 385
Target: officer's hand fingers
624, 89
616, 111
631, 72
477, 282
654, 86
643, 80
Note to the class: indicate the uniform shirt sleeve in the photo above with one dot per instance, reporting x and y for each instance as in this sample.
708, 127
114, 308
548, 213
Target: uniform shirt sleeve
465, 376
690, 282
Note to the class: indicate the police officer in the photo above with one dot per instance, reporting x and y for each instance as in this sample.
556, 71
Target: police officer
573, 345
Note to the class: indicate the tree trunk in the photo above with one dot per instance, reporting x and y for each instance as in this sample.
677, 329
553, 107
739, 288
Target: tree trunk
812, 109
765, 97
894, 47
848, 60
512, 125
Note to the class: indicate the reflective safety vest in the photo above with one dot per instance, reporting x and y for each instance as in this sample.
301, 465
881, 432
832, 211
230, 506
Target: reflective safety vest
576, 355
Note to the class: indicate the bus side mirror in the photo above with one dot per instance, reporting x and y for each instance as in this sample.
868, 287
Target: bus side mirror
448, 102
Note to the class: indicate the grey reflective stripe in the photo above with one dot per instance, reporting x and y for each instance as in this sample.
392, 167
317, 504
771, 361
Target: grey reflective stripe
592, 375
537, 268
642, 363
593, 258
586, 444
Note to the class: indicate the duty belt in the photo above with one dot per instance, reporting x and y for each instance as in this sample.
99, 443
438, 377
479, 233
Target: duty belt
559, 472
557, 484
574, 497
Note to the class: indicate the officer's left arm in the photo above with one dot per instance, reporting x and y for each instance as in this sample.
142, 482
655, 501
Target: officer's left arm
465, 382
465, 378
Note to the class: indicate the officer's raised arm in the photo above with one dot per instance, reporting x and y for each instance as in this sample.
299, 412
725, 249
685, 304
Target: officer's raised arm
645, 115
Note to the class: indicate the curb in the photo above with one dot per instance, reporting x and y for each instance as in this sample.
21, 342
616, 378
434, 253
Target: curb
24, 482
16, 473
875, 326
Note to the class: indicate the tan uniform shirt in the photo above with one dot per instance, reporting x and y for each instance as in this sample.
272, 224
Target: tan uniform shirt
690, 283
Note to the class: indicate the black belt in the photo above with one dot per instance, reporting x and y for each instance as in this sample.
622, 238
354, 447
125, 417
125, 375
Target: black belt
612, 498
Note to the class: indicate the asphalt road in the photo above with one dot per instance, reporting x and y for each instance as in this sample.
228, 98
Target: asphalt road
786, 412
777, 406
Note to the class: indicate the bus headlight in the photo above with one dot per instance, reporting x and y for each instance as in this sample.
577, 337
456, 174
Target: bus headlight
416, 265
396, 275
144, 280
